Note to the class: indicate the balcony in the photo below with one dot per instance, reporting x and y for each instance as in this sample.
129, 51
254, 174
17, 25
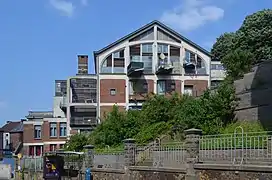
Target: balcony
164, 67
135, 68
138, 96
83, 121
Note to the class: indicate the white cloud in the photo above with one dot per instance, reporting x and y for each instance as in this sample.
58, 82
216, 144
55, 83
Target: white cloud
65, 7
192, 14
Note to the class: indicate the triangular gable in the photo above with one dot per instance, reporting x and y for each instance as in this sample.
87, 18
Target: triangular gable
148, 27
164, 32
166, 36
146, 35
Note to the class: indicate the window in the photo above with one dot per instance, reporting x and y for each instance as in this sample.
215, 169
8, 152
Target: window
37, 131
114, 63
113, 92
53, 129
38, 150
147, 57
119, 61
63, 129
137, 107
189, 57
215, 83
217, 67
138, 86
162, 48
172, 86
147, 48
188, 89
62, 146
145, 87
86, 131
35, 151
52, 147
31, 151
161, 87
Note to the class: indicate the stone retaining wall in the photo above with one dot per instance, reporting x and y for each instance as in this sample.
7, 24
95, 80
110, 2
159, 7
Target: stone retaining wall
204, 172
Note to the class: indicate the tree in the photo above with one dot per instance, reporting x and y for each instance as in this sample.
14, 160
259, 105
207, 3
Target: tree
111, 132
250, 44
238, 62
77, 142
255, 35
223, 45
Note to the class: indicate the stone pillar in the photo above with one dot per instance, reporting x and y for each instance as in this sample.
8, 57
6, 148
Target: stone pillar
192, 152
130, 152
89, 156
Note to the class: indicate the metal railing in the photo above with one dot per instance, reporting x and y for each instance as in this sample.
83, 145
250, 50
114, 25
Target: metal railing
32, 163
161, 155
83, 121
114, 160
237, 148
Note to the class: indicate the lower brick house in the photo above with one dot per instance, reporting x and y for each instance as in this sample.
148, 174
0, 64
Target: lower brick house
43, 132
11, 136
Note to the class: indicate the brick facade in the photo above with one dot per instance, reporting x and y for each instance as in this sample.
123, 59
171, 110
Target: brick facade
45, 141
142, 95
199, 86
106, 109
45, 131
16, 138
119, 85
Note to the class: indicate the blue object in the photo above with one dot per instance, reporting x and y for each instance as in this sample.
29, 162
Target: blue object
10, 161
88, 174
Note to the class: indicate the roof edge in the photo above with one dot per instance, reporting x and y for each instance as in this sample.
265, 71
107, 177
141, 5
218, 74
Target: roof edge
154, 22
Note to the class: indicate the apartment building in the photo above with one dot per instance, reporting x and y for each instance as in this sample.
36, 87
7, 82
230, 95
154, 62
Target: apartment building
152, 59
80, 101
46, 131
218, 73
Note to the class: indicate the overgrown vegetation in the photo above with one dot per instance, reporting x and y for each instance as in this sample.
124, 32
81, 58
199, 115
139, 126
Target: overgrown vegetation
213, 112
250, 44
161, 115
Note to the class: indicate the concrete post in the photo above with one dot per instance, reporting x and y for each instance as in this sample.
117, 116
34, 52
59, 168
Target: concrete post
192, 152
89, 156
130, 152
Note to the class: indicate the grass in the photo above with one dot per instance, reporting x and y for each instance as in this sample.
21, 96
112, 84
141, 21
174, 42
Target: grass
110, 150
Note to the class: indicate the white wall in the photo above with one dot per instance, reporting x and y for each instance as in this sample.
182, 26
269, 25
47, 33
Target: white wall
6, 137
217, 74
57, 111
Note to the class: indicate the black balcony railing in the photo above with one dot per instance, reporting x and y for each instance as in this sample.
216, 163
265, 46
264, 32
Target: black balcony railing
83, 121
135, 68
164, 67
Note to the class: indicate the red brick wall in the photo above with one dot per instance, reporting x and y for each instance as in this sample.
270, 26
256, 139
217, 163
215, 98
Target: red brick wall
177, 88
199, 86
107, 84
45, 131
16, 139
73, 131
142, 96
106, 109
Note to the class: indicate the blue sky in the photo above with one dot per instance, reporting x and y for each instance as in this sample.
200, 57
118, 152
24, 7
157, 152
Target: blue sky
40, 39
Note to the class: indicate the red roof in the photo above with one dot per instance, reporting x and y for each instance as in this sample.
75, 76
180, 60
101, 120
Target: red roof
9, 126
